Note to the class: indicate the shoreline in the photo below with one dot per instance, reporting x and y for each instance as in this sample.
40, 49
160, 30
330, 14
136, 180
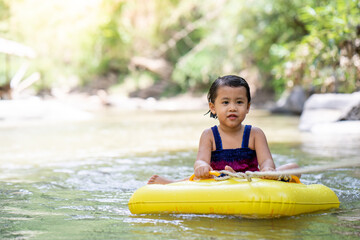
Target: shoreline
81, 107
78, 107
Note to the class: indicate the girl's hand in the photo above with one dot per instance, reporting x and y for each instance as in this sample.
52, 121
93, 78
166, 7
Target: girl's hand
228, 168
269, 169
203, 171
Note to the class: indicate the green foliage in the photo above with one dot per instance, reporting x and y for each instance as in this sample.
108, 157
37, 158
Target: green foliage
104, 49
298, 42
195, 70
4, 10
314, 61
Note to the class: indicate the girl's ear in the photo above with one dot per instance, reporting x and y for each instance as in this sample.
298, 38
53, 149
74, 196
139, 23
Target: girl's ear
212, 108
248, 108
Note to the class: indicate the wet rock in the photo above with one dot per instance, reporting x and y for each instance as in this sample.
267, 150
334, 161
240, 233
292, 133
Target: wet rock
322, 109
353, 114
154, 91
291, 102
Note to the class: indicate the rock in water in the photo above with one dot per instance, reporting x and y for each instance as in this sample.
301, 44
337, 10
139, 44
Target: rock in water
328, 108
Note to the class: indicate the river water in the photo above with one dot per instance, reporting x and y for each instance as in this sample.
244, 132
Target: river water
73, 180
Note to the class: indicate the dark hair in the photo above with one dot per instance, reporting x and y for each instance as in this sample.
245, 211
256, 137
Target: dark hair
229, 81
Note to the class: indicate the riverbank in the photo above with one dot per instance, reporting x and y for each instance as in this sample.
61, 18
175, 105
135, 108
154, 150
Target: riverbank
79, 107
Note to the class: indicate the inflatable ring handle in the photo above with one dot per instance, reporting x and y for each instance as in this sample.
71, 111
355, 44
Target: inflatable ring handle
213, 173
295, 179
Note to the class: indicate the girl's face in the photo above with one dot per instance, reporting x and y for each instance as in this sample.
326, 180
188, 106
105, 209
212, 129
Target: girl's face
231, 106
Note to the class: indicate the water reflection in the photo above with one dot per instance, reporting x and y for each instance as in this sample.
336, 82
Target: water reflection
332, 145
233, 227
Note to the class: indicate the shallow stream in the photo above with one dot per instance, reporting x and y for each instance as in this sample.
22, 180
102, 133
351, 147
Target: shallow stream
72, 180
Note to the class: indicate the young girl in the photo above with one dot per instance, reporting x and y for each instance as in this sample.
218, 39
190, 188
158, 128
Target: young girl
230, 146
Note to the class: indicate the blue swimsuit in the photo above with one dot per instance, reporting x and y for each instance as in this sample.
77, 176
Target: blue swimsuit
240, 159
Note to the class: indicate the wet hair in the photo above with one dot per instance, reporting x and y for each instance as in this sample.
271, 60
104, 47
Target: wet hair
229, 81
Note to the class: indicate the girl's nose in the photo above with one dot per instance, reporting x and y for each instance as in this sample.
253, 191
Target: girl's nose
232, 107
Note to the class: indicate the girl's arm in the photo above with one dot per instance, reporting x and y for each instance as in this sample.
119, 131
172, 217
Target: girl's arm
202, 163
266, 163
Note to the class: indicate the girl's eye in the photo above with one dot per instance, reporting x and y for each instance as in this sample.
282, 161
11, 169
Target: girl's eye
240, 102
225, 102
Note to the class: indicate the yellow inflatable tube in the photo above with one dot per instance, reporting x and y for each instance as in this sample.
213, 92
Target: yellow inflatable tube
259, 198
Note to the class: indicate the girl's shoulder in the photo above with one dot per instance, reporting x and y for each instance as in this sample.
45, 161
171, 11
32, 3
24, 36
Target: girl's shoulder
207, 133
255, 129
256, 132
256, 135
207, 139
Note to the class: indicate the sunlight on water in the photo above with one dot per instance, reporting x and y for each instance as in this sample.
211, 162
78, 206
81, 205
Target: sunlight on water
74, 180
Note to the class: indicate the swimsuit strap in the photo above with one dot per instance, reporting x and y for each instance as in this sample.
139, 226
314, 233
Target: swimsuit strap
217, 137
246, 136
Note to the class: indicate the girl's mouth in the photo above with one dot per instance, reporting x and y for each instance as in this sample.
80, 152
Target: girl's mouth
232, 116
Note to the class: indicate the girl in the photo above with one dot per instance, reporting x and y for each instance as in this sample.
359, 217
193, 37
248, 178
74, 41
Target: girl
231, 145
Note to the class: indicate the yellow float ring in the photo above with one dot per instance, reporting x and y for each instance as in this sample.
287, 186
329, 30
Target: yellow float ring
260, 198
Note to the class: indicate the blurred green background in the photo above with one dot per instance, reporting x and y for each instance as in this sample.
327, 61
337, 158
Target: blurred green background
182, 46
